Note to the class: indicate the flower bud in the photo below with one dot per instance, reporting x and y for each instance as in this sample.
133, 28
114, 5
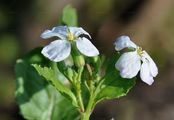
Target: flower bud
79, 61
77, 57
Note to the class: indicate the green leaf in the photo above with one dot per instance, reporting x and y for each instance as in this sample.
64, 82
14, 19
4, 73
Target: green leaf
64, 110
37, 99
114, 86
110, 63
51, 77
69, 16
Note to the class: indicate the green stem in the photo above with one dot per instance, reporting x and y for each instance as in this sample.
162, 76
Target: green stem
54, 66
89, 108
79, 99
91, 103
85, 116
99, 86
78, 90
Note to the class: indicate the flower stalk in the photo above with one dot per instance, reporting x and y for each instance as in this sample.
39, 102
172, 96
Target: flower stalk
89, 108
78, 90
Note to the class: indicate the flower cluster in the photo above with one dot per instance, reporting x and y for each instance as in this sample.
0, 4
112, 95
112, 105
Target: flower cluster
129, 64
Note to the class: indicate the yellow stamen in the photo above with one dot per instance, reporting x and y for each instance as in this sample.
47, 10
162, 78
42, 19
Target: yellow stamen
70, 36
139, 51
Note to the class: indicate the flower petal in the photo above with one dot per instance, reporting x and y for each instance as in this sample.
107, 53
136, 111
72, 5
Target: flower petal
60, 31
124, 42
145, 73
128, 64
77, 31
152, 65
57, 50
86, 47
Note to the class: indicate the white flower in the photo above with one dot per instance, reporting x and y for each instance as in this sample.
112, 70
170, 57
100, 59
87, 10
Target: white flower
130, 63
60, 49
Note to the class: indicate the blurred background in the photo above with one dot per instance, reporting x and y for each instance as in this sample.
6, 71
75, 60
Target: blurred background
150, 24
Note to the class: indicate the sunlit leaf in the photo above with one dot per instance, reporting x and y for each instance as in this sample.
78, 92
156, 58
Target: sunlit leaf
37, 99
50, 76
